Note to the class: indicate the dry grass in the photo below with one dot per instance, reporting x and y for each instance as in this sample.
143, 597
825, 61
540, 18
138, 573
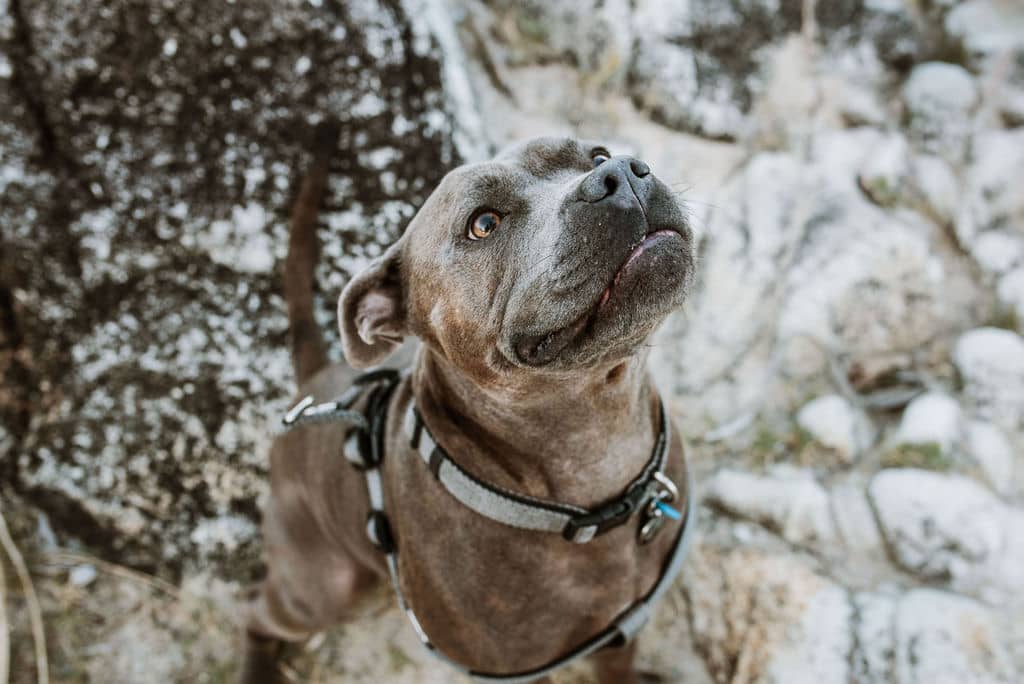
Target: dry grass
31, 599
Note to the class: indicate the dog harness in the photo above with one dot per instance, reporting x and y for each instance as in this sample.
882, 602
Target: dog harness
650, 495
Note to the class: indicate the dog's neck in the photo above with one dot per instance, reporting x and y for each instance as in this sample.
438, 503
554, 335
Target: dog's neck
577, 438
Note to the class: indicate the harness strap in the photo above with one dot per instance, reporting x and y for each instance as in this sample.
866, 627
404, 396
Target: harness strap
576, 524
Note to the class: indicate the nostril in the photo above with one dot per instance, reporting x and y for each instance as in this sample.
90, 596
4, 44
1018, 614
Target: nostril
639, 168
611, 184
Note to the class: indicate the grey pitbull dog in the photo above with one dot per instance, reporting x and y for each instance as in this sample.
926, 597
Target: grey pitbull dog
532, 281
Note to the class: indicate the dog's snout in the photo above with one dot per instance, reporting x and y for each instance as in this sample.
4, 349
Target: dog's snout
612, 179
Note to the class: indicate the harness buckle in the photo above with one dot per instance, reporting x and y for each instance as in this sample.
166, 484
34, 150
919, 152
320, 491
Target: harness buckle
608, 516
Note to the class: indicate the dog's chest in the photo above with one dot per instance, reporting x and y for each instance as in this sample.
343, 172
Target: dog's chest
497, 598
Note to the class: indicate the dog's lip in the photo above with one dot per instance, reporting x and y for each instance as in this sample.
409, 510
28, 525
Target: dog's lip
540, 350
634, 254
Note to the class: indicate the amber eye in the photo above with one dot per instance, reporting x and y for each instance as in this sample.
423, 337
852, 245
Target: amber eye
600, 156
483, 224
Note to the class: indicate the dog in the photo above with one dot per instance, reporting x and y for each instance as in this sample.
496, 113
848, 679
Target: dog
532, 282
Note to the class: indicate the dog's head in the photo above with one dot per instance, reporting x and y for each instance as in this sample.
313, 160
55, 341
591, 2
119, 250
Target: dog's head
556, 255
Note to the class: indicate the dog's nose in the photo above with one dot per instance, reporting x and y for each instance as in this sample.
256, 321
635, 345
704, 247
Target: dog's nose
612, 179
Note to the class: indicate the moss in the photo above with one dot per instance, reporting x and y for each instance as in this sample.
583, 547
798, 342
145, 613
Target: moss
397, 658
1005, 317
928, 456
533, 27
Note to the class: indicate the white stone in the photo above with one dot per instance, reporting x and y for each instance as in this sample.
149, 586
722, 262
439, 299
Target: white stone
950, 528
935, 86
939, 98
1010, 292
861, 107
884, 173
787, 500
832, 421
997, 251
938, 185
855, 522
989, 448
768, 618
932, 418
1011, 105
987, 27
872, 657
941, 638
993, 196
991, 363
82, 575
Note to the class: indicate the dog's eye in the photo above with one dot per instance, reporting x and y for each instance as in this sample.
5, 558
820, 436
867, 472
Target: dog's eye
483, 224
600, 156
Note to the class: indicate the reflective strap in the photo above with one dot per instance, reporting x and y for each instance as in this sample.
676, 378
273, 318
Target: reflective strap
495, 506
375, 489
522, 512
517, 510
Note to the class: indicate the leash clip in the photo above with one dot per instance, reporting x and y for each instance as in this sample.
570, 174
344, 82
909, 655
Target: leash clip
659, 507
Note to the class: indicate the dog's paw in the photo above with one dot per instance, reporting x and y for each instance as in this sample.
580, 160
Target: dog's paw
262, 661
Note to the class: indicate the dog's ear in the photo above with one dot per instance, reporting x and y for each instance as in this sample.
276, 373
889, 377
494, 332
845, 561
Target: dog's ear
371, 312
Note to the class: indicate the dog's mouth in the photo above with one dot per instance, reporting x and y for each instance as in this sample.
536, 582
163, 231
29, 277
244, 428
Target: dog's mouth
540, 350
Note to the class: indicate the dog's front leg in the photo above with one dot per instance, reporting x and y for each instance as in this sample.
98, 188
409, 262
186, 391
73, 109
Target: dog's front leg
616, 666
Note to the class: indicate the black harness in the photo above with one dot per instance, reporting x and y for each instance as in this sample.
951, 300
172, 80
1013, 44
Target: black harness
650, 495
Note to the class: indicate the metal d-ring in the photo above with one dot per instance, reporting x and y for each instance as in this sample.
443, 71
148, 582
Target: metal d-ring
669, 485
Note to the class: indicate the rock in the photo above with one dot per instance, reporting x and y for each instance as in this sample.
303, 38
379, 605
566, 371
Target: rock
855, 524
872, 656
82, 575
949, 528
987, 28
860, 106
992, 199
1011, 106
927, 636
884, 175
147, 183
1010, 292
991, 363
700, 66
941, 638
788, 501
767, 619
998, 251
940, 99
989, 448
752, 231
832, 421
938, 187
932, 418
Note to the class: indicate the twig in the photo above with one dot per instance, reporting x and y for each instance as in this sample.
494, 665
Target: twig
34, 613
5, 638
70, 557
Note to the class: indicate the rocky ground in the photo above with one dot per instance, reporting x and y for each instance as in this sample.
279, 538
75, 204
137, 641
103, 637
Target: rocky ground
849, 370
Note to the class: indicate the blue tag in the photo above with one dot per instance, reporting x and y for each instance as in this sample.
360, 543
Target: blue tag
669, 511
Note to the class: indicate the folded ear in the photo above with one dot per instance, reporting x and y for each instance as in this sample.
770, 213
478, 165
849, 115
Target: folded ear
371, 312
